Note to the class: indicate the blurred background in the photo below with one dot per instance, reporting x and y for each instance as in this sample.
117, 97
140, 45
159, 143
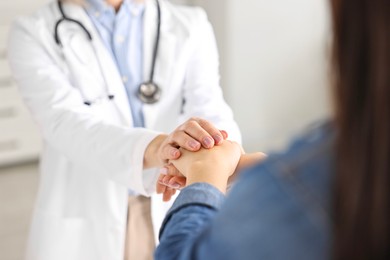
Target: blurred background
274, 66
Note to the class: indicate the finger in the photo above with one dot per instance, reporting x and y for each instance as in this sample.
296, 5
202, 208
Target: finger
172, 170
169, 152
160, 188
181, 138
224, 134
212, 130
173, 193
177, 182
166, 179
174, 182
170, 193
167, 194
195, 130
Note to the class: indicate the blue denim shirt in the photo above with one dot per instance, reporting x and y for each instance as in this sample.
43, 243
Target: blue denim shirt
279, 209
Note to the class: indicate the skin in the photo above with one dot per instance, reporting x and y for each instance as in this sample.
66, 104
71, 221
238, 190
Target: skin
193, 135
171, 179
117, 3
212, 166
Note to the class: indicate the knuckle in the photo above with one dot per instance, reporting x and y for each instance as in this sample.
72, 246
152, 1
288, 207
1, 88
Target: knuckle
194, 118
176, 135
166, 154
189, 125
165, 151
171, 169
192, 124
181, 127
208, 126
203, 121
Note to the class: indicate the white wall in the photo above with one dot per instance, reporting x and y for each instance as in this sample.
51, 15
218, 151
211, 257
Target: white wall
274, 65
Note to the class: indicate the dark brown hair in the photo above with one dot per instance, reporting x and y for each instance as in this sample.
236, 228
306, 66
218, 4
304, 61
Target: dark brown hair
362, 116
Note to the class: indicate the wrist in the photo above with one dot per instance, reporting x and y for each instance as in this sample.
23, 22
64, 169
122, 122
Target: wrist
198, 173
151, 156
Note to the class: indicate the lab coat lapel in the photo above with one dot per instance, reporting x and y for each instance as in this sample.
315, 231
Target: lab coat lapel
108, 67
165, 56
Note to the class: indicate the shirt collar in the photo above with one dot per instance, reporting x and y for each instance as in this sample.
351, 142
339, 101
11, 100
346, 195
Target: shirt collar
135, 9
99, 8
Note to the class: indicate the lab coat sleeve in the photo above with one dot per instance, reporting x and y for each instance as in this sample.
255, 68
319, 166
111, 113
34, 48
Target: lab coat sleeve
202, 92
108, 150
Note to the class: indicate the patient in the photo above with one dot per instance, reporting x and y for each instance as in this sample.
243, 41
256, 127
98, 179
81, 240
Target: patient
327, 197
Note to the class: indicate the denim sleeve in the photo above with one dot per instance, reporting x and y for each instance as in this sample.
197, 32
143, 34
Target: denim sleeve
192, 210
260, 219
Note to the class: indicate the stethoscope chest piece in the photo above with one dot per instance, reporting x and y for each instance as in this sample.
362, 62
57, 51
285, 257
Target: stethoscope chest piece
149, 93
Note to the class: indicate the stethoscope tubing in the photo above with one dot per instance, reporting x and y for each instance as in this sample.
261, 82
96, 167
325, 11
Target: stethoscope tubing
157, 42
145, 98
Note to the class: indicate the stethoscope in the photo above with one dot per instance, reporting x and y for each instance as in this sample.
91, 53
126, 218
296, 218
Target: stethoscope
148, 92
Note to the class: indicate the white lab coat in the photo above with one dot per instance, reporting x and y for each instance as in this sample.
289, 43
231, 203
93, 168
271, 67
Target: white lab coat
91, 154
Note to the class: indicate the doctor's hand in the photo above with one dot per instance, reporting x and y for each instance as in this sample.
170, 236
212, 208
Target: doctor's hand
192, 135
169, 184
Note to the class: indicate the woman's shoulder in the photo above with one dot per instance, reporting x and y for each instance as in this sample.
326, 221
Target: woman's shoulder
304, 170
313, 145
282, 201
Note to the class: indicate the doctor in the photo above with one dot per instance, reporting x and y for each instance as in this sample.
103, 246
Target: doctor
105, 81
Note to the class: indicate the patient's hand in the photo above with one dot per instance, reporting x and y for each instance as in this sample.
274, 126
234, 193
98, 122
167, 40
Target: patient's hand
191, 135
172, 180
213, 166
247, 160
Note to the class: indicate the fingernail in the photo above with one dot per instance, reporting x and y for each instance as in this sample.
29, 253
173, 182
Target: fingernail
208, 142
164, 171
224, 134
193, 144
217, 138
174, 153
175, 185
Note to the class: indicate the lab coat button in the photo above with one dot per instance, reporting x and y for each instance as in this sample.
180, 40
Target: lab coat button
135, 12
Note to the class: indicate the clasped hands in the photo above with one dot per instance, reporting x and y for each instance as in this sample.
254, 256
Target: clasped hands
196, 151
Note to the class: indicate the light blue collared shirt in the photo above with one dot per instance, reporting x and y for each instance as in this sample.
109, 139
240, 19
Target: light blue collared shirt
122, 33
